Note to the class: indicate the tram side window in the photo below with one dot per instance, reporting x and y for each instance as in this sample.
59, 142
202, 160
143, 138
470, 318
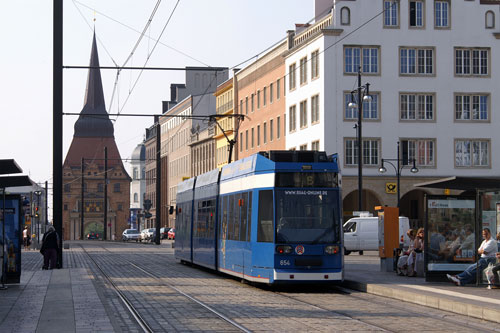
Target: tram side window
249, 229
266, 212
211, 218
236, 215
243, 212
230, 218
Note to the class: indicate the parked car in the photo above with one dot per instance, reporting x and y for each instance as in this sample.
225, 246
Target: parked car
92, 235
164, 232
362, 234
130, 234
148, 234
171, 234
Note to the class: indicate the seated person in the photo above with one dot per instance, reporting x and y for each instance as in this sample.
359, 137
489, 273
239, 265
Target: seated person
416, 253
487, 250
402, 267
495, 284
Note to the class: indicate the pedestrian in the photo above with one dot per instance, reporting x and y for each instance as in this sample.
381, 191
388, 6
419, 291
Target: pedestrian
50, 247
487, 250
26, 239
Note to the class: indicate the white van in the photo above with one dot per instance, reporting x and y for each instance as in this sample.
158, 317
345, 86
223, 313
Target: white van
361, 234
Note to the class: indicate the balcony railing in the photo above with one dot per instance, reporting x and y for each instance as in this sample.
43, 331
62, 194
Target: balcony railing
221, 109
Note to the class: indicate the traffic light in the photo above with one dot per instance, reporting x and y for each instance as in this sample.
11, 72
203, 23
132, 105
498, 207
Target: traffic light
36, 211
148, 215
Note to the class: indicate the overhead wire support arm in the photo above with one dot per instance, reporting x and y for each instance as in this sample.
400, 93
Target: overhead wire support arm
231, 142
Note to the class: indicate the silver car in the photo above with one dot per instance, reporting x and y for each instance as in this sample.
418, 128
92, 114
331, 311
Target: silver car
131, 234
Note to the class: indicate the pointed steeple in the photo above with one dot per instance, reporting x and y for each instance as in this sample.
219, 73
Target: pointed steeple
99, 124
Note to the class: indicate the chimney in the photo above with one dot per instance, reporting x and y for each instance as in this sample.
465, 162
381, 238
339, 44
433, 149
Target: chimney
291, 35
173, 92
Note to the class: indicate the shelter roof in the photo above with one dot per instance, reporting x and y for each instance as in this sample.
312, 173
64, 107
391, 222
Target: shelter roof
464, 183
8, 166
15, 181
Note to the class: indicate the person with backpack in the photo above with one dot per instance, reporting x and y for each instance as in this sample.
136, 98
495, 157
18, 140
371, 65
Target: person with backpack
50, 247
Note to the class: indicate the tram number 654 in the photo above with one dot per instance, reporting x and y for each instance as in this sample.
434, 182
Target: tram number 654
285, 262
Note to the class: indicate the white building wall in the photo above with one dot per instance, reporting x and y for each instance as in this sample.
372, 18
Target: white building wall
467, 30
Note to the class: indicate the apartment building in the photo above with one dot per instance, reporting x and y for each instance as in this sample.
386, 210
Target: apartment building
434, 87
225, 126
260, 91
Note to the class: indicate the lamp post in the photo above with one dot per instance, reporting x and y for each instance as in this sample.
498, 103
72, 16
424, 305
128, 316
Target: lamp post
398, 168
363, 92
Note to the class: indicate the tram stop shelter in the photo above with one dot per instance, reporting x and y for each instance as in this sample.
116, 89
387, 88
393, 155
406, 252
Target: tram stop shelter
453, 223
11, 216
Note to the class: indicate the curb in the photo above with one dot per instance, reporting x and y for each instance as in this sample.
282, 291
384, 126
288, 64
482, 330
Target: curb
441, 303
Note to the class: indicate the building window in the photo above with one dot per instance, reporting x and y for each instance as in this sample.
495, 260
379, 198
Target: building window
416, 106
241, 142
303, 114
65, 206
292, 118
314, 109
258, 135
264, 96
100, 187
246, 105
271, 130
278, 87
354, 56
135, 173
471, 61
420, 150
489, 20
303, 70
303, 147
391, 13
136, 197
345, 16
370, 108
271, 92
315, 145
315, 65
241, 107
253, 138
416, 13
442, 14
416, 61
116, 187
291, 77
472, 153
264, 137
471, 107
258, 99
278, 128
67, 188
370, 152
246, 140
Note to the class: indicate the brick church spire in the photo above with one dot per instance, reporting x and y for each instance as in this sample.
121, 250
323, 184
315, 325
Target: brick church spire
96, 125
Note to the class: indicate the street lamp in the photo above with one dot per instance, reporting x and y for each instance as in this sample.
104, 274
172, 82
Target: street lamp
398, 168
363, 92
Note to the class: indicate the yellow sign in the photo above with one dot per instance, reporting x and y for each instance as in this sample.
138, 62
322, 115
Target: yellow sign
391, 188
446, 191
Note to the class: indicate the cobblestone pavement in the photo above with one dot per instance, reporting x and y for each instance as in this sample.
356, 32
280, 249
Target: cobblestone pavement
257, 309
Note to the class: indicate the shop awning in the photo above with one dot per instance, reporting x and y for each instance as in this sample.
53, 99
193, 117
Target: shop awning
464, 183
9, 166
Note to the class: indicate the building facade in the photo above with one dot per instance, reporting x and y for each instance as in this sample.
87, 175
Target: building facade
150, 169
225, 127
138, 184
433, 83
85, 169
260, 94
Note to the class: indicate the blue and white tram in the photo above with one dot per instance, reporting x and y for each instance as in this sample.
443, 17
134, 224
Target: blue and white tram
272, 217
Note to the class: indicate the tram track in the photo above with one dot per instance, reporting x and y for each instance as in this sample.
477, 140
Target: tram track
136, 314
158, 265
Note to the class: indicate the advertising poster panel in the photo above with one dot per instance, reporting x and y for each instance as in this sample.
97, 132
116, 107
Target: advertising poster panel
449, 235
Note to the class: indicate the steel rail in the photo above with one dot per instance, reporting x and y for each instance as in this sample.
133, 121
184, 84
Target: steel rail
138, 318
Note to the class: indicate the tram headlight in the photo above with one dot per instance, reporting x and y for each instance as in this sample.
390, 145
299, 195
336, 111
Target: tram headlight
284, 249
331, 249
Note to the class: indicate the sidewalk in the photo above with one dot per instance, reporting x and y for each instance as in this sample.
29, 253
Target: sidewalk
363, 273
60, 300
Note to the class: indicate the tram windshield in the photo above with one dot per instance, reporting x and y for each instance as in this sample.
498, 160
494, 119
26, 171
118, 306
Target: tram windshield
307, 216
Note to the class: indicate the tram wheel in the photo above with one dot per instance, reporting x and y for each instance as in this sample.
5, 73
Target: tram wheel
346, 252
360, 253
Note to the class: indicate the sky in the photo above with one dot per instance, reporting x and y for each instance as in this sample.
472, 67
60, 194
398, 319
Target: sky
199, 33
